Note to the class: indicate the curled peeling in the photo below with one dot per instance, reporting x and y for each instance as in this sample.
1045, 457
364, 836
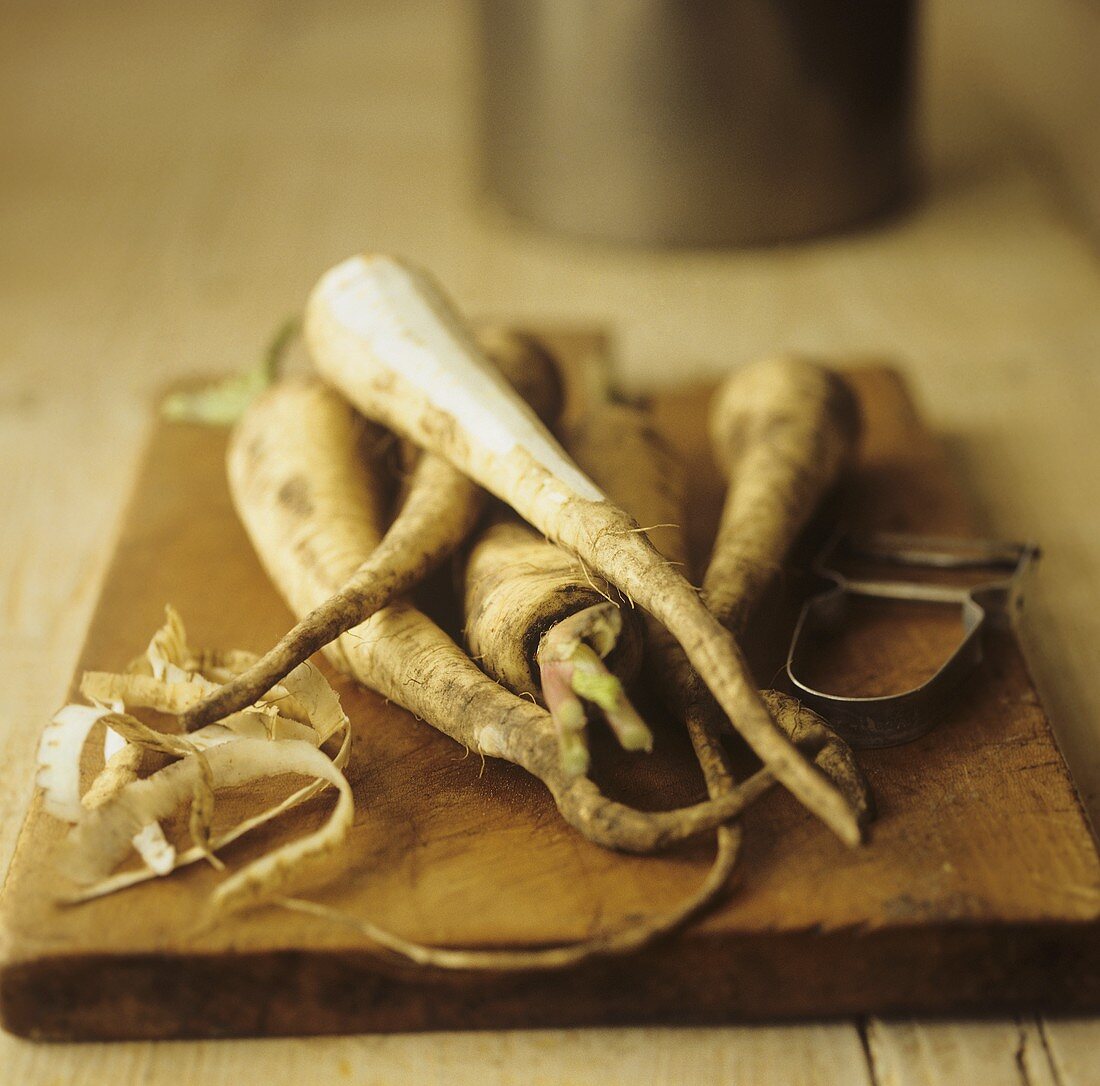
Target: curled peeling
103, 837
125, 879
316, 699
112, 743
121, 812
168, 646
59, 752
155, 849
102, 840
145, 691
122, 766
263, 877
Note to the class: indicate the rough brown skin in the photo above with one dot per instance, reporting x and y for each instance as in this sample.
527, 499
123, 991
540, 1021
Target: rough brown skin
783, 430
406, 657
440, 508
309, 548
619, 448
535, 620
517, 586
361, 335
531, 611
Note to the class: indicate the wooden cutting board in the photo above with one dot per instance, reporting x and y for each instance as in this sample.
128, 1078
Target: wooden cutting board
979, 889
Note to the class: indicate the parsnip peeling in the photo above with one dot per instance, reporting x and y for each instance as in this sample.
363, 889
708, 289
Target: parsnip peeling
59, 752
307, 686
103, 838
146, 691
168, 646
125, 879
121, 812
121, 767
154, 848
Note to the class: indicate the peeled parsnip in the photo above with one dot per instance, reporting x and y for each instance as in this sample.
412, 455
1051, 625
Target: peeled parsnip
440, 509
310, 548
384, 334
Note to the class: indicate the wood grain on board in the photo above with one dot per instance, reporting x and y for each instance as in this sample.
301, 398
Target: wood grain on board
979, 889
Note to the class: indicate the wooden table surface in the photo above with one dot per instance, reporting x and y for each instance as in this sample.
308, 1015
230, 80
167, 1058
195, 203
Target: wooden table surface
177, 175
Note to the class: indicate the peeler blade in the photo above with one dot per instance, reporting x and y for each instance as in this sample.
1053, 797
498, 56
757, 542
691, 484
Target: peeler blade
890, 719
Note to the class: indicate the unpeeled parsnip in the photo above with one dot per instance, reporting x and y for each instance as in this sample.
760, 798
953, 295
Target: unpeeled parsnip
439, 510
386, 336
619, 447
783, 430
537, 622
541, 624
310, 548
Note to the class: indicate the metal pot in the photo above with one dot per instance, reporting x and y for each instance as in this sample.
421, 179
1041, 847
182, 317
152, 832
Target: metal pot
698, 122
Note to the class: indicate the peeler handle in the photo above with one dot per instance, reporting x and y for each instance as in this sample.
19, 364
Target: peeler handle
934, 552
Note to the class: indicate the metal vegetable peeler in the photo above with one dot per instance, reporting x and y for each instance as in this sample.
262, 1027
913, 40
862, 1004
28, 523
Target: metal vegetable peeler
890, 719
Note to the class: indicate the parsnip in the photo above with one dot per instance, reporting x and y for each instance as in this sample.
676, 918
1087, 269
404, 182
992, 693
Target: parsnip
782, 431
537, 622
617, 445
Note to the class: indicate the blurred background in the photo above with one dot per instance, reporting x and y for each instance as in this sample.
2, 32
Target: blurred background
708, 123
220, 155
176, 176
